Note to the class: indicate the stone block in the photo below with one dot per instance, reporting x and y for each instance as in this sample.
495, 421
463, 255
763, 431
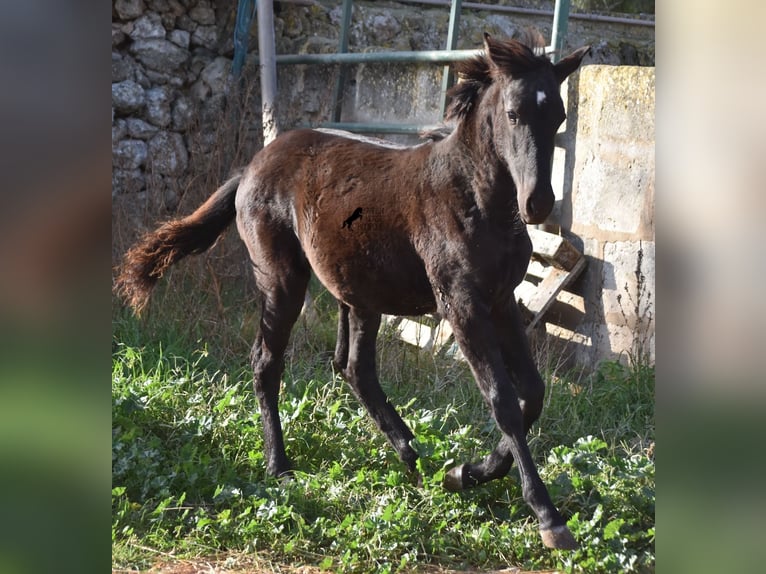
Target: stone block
129, 154
613, 177
216, 74
127, 181
612, 182
159, 54
203, 13
182, 113
148, 26
205, 36
628, 283
167, 154
180, 38
128, 96
128, 9
139, 129
158, 102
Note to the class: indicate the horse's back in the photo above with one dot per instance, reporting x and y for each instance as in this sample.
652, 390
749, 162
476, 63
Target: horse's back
351, 205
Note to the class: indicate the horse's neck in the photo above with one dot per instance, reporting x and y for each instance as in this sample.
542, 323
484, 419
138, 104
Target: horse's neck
473, 160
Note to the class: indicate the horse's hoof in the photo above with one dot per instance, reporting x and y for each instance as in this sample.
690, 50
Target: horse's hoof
286, 478
453, 480
559, 537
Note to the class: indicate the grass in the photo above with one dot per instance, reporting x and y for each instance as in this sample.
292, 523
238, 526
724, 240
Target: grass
188, 468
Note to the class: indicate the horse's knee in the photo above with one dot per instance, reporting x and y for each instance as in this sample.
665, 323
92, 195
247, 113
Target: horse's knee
532, 403
267, 369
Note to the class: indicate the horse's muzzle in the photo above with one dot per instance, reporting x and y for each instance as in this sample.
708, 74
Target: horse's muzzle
537, 206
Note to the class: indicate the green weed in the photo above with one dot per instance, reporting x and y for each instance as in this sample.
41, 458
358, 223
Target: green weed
189, 479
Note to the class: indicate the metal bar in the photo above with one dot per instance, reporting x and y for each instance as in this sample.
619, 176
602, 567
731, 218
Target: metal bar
560, 26
454, 23
245, 13
379, 128
534, 12
437, 56
337, 95
267, 60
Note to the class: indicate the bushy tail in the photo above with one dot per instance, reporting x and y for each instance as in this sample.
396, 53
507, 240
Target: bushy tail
147, 260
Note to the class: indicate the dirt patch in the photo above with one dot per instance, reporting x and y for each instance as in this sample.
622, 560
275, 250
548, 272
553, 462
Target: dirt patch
240, 565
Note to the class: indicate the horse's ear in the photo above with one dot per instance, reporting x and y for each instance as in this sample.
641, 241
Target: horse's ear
488, 42
567, 65
499, 56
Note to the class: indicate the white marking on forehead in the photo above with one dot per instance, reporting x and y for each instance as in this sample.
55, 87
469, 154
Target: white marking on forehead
541, 97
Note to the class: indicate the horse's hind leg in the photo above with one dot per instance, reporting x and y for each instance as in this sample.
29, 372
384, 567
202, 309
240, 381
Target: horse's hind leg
282, 275
341, 344
530, 389
360, 372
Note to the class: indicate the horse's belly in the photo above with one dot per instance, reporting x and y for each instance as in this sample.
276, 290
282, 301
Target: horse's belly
386, 281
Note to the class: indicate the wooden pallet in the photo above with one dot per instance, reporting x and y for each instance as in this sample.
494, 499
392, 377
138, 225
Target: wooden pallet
555, 264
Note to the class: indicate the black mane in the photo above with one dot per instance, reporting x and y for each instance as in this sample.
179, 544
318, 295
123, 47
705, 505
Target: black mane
510, 57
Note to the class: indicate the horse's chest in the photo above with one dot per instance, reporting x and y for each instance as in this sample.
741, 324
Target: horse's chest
500, 260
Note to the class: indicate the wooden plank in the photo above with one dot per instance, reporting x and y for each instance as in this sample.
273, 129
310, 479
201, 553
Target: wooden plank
555, 264
442, 335
537, 269
568, 335
547, 290
525, 292
554, 249
415, 333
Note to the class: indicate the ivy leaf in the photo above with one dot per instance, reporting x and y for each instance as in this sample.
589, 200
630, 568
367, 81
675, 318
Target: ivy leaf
613, 528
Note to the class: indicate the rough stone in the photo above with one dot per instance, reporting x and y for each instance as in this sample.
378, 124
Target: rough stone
118, 36
158, 101
129, 154
127, 181
128, 96
205, 36
384, 27
203, 14
162, 79
183, 22
158, 5
119, 130
216, 74
148, 26
139, 129
180, 38
168, 154
159, 54
129, 9
200, 91
123, 67
183, 114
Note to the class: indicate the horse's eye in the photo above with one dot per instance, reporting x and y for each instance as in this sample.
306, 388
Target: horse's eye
513, 117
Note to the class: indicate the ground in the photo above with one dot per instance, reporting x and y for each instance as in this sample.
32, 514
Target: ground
217, 566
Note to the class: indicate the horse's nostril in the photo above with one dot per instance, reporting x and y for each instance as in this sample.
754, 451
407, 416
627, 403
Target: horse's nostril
531, 207
537, 207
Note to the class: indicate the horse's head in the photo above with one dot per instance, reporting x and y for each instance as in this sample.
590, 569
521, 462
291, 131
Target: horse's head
523, 106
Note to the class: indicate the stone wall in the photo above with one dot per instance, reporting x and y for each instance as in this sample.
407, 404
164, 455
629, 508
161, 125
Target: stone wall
179, 123
171, 61
604, 180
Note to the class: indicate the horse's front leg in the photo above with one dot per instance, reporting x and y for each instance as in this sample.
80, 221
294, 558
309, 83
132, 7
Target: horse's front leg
529, 386
477, 334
